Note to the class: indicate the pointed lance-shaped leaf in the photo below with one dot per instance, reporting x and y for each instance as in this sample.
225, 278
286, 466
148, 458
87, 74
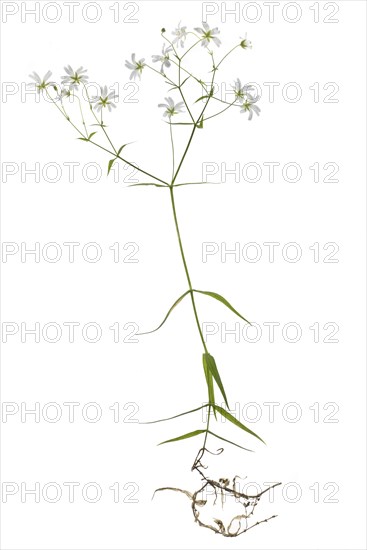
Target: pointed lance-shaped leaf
185, 436
209, 383
201, 98
176, 416
140, 184
121, 148
201, 123
166, 317
183, 82
179, 123
236, 422
224, 301
211, 365
228, 441
110, 163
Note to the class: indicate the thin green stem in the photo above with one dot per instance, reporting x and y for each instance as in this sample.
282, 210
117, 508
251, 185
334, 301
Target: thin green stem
186, 268
173, 151
184, 155
177, 226
180, 240
129, 163
182, 94
222, 111
193, 131
202, 84
100, 123
227, 54
160, 74
171, 44
81, 113
207, 427
193, 46
65, 115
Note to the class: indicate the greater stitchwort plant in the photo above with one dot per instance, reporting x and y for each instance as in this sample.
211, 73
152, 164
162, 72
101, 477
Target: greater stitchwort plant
191, 116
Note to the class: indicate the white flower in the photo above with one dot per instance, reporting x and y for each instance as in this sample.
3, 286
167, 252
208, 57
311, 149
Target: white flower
242, 92
65, 92
104, 100
41, 83
249, 107
74, 78
245, 43
208, 34
164, 58
171, 107
135, 66
180, 35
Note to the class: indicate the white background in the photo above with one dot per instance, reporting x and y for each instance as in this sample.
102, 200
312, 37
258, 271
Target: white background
162, 373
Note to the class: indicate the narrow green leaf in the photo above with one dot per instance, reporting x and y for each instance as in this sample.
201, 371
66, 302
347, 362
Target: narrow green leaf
236, 422
210, 362
88, 138
155, 184
228, 441
166, 317
176, 416
201, 98
185, 436
224, 301
117, 155
179, 123
201, 123
182, 83
198, 183
110, 163
209, 383
121, 148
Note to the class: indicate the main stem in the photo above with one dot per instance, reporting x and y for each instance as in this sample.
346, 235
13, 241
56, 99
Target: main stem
174, 177
191, 294
186, 268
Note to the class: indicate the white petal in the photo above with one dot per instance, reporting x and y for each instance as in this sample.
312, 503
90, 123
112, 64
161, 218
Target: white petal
35, 77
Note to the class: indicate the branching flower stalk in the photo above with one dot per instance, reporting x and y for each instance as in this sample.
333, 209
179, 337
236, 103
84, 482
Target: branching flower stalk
244, 100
